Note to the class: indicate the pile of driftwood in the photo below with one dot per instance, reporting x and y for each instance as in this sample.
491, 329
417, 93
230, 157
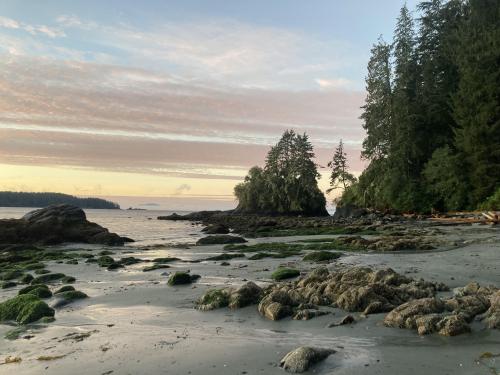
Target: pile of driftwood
457, 218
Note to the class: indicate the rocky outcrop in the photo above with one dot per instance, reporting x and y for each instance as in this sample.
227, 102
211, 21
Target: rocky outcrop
448, 317
303, 358
216, 229
353, 289
55, 225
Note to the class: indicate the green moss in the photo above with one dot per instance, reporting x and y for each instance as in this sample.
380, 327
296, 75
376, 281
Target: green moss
68, 280
50, 277
26, 279
213, 299
105, 252
220, 239
24, 309
284, 273
155, 267
268, 250
321, 256
8, 284
65, 288
71, 295
33, 266
226, 256
105, 261
180, 278
72, 261
309, 231
11, 275
165, 260
114, 266
39, 290
127, 261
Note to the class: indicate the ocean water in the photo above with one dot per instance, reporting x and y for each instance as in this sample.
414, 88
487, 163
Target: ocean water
142, 226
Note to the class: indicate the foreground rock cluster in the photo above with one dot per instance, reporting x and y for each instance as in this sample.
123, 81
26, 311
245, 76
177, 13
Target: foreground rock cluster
54, 225
410, 303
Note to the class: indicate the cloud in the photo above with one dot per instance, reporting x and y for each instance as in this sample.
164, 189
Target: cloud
51, 32
182, 188
335, 83
86, 115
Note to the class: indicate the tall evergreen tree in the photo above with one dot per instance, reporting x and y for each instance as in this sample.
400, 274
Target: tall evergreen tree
476, 104
378, 103
340, 176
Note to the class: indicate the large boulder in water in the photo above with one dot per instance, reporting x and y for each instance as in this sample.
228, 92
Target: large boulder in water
54, 225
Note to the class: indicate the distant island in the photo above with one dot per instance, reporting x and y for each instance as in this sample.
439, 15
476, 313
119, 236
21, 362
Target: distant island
18, 199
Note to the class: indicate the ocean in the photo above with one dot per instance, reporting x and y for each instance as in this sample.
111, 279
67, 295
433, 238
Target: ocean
140, 225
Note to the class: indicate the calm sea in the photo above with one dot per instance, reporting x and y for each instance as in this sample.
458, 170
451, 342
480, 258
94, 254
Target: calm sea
142, 226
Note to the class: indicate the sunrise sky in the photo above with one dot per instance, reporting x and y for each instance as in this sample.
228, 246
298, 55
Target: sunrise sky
170, 102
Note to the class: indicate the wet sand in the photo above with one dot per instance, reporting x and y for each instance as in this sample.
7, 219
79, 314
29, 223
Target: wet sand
137, 324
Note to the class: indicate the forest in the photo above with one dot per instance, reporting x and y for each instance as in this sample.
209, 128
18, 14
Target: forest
432, 111
19, 199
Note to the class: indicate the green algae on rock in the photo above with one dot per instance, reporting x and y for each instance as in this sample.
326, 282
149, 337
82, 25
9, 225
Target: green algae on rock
65, 288
24, 309
39, 290
50, 277
180, 278
284, 273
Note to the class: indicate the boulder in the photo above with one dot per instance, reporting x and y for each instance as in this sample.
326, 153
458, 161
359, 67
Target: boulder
220, 239
406, 315
53, 225
24, 309
301, 359
493, 314
216, 229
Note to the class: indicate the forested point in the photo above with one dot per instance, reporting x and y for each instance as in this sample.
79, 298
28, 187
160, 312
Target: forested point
432, 112
18, 199
288, 183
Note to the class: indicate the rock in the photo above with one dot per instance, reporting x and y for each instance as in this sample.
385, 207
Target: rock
321, 256
248, 294
276, 305
48, 278
220, 239
427, 324
307, 314
64, 298
453, 325
406, 315
24, 309
54, 225
301, 359
284, 273
213, 299
216, 229
8, 284
65, 288
39, 290
348, 211
182, 278
493, 314
348, 319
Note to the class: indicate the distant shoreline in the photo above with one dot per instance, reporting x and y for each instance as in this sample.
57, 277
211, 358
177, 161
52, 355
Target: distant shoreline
33, 200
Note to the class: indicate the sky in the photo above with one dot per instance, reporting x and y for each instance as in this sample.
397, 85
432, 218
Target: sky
167, 104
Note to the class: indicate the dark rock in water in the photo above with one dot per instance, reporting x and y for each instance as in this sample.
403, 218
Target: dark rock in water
216, 229
348, 211
220, 239
348, 319
54, 225
193, 216
301, 359
181, 278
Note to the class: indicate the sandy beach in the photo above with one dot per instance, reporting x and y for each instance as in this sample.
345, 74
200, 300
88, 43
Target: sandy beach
134, 322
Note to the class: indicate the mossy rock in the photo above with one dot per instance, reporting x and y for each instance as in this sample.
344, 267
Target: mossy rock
127, 261
284, 273
68, 279
155, 267
72, 261
226, 256
34, 266
213, 299
114, 266
24, 309
71, 295
8, 284
321, 256
26, 279
65, 288
165, 260
105, 252
11, 275
105, 261
41, 271
50, 277
39, 290
180, 278
220, 239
